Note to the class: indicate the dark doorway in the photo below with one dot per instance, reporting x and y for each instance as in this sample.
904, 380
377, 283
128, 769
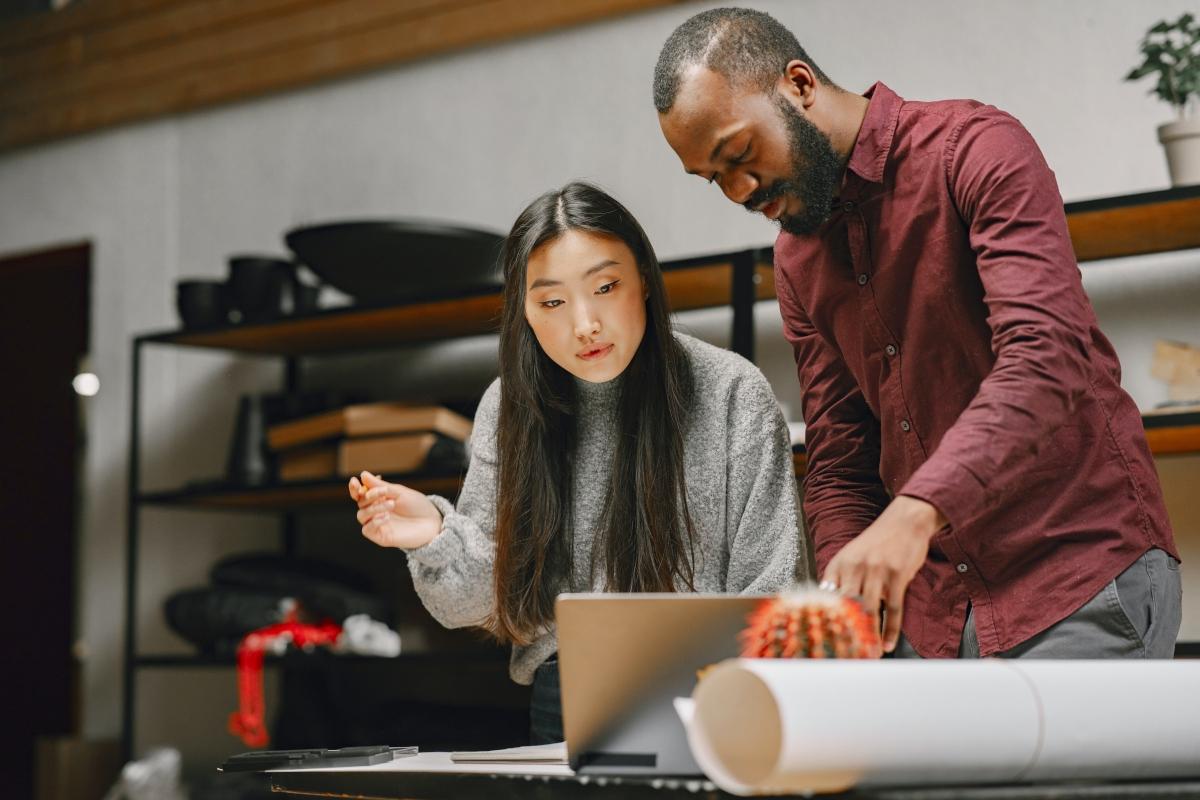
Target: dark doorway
44, 302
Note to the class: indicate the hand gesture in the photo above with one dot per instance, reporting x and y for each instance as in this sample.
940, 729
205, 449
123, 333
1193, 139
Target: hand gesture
880, 562
392, 515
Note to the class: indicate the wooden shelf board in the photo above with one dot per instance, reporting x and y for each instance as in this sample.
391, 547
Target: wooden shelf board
280, 497
350, 329
799, 462
310, 494
186, 660
1138, 224
689, 285
1187, 649
1163, 441
1180, 440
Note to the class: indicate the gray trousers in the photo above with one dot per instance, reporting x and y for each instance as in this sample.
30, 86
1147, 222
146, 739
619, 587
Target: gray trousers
1136, 615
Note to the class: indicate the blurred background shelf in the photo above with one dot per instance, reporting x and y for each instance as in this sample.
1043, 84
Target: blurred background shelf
1173, 434
288, 496
297, 659
1112, 227
1168, 439
1135, 224
702, 282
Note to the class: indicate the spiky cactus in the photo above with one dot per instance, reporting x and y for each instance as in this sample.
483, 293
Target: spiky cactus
808, 622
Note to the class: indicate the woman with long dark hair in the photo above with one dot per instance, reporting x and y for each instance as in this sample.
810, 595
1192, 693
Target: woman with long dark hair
612, 454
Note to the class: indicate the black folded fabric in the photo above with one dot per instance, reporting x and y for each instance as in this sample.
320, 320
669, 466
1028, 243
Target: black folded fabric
324, 590
215, 618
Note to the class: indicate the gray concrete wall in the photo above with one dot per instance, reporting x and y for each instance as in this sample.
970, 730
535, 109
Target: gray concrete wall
471, 138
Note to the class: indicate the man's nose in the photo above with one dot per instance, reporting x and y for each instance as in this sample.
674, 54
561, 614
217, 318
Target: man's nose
739, 186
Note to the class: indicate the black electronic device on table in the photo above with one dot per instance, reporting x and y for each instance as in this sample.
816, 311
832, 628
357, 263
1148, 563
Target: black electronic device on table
315, 758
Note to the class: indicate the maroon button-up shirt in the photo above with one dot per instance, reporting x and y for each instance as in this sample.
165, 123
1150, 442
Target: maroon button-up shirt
946, 351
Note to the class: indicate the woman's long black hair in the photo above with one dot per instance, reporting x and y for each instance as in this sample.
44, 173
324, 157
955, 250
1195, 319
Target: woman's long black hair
646, 538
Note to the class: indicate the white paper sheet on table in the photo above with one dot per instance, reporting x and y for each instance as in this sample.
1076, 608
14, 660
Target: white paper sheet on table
775, 726
440, 762
555, 753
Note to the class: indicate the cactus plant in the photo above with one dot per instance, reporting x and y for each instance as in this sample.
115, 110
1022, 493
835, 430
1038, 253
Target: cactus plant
809, 622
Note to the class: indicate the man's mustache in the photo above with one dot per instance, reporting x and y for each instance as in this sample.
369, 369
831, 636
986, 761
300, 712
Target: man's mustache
768, 193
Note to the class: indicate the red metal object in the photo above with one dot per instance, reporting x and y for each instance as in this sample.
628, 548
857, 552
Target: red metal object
249, 721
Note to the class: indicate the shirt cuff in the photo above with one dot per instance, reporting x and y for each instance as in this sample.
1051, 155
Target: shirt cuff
950, 488
443, 548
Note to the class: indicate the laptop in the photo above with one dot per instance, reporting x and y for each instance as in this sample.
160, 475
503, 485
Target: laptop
622, 659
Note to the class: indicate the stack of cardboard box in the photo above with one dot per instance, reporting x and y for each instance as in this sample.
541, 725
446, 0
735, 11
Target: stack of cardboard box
377, 437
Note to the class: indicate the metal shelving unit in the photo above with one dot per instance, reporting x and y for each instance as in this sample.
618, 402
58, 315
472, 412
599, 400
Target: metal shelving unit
737, 279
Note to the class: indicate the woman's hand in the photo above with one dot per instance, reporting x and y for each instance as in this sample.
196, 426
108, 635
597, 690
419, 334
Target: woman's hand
392, 515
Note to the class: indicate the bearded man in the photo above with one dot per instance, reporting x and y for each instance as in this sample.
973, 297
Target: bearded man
974, 467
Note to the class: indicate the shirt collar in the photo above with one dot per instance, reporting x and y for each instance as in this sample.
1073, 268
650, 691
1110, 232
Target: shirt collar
874, 142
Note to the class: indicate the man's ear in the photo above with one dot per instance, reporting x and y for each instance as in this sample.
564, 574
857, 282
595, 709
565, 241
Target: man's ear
799, 84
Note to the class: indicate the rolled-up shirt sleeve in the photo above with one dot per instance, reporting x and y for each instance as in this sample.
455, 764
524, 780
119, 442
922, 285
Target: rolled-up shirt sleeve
1036, 311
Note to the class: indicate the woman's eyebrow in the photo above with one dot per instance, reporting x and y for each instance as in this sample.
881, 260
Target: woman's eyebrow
541, 282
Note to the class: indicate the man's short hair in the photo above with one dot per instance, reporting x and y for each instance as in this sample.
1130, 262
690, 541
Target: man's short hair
746, 46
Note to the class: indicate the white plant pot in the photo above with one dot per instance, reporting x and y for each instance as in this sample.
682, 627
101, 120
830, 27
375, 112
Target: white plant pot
1181, 140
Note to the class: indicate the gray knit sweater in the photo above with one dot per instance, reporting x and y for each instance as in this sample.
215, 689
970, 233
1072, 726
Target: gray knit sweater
740, 484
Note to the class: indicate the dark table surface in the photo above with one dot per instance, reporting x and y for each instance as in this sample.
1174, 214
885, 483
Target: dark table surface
444, 786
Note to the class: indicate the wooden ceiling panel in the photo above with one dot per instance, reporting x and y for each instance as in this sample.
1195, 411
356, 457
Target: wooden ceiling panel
104, 62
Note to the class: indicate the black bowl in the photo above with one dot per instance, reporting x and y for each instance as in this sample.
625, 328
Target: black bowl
257, 285
396, 261
202, 303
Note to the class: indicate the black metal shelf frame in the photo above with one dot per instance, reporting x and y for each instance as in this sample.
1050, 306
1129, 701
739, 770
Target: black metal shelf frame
743, 281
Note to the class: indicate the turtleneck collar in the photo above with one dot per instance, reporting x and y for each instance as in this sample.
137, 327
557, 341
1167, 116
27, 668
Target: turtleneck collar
599, 395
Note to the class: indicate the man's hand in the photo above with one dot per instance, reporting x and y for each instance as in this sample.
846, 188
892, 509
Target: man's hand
881, 561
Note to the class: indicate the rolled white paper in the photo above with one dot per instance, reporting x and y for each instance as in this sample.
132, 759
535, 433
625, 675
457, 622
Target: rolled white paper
775, 726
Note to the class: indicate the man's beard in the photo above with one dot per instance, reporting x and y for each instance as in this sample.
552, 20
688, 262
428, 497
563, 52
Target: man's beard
816, 173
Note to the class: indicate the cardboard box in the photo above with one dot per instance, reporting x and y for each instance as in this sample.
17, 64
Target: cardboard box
380, 454
70, 768
368, 419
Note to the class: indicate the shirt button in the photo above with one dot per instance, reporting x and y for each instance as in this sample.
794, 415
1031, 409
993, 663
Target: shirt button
962, 568
848, 206
904, 426
862, 279
891, 350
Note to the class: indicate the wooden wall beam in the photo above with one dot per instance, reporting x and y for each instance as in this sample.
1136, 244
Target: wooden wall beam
99, 63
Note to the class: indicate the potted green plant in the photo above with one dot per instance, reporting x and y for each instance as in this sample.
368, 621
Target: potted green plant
1171, 50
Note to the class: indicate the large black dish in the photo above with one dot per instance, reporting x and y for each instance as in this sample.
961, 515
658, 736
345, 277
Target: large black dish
400, 261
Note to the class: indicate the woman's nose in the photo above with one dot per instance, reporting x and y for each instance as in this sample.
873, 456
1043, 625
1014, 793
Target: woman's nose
586, 322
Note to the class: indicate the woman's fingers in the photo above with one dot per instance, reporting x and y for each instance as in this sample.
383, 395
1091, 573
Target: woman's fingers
373, 531
366, 513
382, 489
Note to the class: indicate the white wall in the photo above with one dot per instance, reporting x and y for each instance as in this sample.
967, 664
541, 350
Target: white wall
472, 138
